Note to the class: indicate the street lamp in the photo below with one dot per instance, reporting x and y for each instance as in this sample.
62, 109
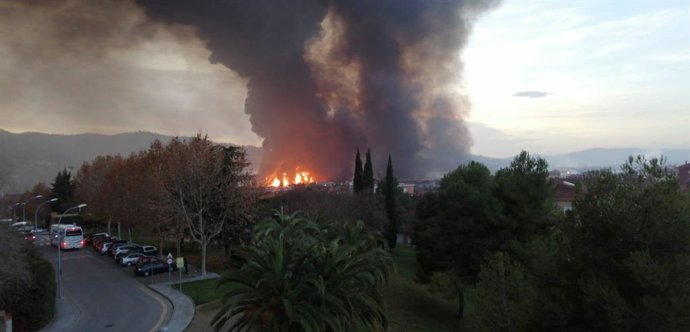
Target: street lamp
24, 209
38, 208
14, 213
59, 249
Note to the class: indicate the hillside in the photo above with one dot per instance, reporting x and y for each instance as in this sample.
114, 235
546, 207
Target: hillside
28, 158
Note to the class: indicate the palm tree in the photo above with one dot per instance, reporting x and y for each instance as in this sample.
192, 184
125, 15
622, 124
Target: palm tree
301, 275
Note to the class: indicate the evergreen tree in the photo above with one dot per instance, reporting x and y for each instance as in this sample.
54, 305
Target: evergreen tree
527, 199
504, 299
368, 175
390, 185
357, 183
453, 233
63, 189
629, 262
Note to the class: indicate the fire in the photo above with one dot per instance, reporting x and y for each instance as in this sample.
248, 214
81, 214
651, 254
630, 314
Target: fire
285, 180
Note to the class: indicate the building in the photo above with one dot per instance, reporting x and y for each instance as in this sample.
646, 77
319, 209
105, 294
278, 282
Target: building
565, 194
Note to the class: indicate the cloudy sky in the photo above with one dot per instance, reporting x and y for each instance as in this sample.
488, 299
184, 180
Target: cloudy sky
560, 76
546, 76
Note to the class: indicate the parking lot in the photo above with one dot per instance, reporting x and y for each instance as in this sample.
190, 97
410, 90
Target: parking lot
105, 295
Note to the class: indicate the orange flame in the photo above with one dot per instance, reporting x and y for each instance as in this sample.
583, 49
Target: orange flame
284, 180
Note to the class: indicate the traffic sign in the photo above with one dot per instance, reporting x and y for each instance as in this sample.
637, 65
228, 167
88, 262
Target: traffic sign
170, 259
180, 262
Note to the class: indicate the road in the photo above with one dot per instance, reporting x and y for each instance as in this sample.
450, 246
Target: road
108, 297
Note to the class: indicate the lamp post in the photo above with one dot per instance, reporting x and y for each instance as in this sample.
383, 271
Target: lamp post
24, 209
39, 208
59, 249
14, 212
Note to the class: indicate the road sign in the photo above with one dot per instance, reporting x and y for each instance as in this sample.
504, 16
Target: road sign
180, 262
170, 259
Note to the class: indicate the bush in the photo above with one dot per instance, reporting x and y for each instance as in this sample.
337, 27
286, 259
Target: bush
504, 299
29, 297
444, 283
39, 307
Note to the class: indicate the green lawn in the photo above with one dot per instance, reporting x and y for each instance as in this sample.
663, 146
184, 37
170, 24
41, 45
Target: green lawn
410, 306
205, 290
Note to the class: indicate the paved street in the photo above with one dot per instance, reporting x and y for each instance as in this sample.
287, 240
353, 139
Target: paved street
106, 297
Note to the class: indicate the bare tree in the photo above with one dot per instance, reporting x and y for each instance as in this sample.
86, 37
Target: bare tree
205, 187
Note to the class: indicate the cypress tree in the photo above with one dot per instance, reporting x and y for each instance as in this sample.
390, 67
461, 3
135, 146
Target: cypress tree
390, 185
63, 189
368, 175
357, 180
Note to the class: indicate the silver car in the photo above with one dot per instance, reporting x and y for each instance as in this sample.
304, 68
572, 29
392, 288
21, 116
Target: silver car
130, 259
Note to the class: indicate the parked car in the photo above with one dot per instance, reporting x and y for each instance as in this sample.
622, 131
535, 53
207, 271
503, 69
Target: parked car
98, 243
111, 250
123, 249
28, 236
147, 269
130, 259
105, 246
146, 249
89, 239
148, 259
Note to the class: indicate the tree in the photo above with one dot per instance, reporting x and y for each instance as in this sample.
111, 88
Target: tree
331, 206
503, 299
63, 189
629, 261
527, 198
202, 186
31, 203
368, 175
96, 185
301, 275
390, 187
357, 180
452, 233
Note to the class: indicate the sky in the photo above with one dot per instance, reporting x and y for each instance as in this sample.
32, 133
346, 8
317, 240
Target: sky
549, 77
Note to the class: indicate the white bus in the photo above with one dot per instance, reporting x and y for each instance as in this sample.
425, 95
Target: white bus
66, 236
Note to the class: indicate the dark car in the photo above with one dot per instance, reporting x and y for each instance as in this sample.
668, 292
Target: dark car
93, 237
98, 243
145, 269
28, 236
146, 249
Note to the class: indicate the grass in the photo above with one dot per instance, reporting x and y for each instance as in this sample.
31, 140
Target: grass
410, 306
205, 291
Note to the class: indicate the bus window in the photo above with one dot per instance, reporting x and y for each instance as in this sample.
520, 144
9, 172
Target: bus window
73, 232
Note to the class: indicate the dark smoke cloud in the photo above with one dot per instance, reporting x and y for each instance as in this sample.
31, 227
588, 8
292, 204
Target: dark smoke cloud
74, 66
327, 76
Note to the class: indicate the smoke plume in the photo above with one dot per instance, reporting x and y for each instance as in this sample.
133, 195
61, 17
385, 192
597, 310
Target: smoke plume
325, 77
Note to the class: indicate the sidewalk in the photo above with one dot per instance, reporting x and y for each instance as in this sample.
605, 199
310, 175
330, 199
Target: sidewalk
183, 306
66, 313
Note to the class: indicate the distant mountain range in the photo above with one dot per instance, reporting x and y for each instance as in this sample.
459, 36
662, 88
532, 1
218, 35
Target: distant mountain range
29, 158
595, 158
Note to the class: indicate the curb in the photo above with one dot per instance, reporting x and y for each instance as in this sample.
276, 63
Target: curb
182, 305
66, 314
